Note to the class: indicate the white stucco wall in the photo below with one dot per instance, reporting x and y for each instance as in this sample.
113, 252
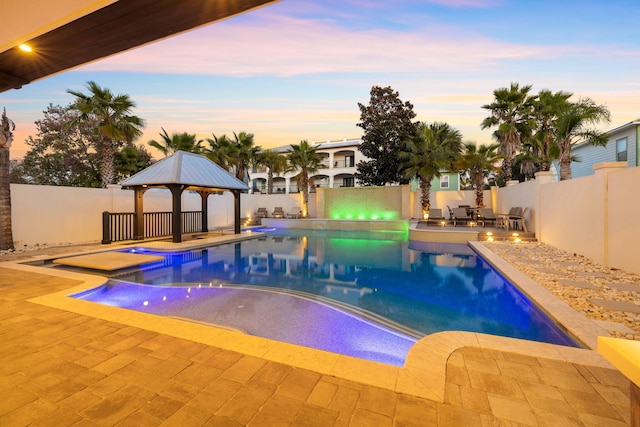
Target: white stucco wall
594, 216
623, 225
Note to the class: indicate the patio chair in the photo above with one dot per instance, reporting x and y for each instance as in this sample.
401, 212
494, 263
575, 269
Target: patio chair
294, 213
514, 214
461, 214
518, 220
261, 213
278, 212
486, 215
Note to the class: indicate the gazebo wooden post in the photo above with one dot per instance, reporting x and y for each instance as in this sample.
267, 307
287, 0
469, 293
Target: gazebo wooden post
205, 210
176, 222
236, 199
138, 223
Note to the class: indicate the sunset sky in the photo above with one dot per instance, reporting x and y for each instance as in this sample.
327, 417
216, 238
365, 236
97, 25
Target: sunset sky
297, 69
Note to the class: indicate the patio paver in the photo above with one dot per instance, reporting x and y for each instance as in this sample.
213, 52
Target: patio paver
63, 368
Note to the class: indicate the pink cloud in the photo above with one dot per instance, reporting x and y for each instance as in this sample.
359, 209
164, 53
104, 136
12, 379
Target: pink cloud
286, 46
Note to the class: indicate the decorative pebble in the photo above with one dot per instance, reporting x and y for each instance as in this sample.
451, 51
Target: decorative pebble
607, 283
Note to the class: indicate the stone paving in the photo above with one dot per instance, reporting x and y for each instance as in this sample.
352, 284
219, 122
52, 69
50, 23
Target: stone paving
61, 368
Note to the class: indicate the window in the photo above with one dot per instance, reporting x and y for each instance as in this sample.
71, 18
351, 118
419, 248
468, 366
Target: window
621, 150
444, 181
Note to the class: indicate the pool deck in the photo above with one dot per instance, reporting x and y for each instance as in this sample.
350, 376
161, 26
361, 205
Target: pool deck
71, 362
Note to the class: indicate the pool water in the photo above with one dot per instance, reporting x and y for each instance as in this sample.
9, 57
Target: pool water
371, 295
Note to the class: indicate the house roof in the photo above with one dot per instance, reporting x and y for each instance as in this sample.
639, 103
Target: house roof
323, 145
611, 132
194, 171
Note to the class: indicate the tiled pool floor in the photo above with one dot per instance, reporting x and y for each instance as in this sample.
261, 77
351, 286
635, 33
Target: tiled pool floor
63, 366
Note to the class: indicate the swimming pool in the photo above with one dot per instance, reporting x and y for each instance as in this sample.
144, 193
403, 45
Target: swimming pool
370, 295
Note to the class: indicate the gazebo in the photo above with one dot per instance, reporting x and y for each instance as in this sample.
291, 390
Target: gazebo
179, 172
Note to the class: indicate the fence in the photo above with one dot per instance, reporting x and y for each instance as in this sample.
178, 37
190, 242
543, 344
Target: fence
594, 217
120, 226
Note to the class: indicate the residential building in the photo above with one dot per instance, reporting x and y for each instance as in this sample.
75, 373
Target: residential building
623, 146
339, 160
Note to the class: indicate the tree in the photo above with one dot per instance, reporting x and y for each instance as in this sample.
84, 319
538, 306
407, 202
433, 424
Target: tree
64, 152
576, 125
7, 126
511, 111
177, 142
547, 109
387, 124
245, 153
429, 152
131, 160
220, 151
114, 123
304, 157
16, 172
236, 155
479, 162
276, 164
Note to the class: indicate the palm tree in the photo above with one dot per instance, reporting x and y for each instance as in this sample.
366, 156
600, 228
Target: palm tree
276, 164
220, 151
236, 155
575, 125
6, 137
547, 109
304, 157
479, 162
245, 154
114, 122
177, 142
511, 112
427, 153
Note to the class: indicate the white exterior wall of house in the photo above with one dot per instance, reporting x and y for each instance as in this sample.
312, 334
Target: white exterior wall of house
590, 155
339, 167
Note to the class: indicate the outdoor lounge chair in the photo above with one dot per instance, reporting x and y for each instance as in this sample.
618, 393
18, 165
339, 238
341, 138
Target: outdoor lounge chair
261, 213
278, 212
435, 216
486, 215
294, 213
461, 215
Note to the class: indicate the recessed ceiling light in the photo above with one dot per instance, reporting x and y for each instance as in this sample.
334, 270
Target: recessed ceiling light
25, 47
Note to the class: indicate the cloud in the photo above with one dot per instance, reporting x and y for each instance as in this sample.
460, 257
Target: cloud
280, 45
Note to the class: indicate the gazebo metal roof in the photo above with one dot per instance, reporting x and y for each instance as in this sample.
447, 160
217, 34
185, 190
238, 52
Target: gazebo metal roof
193, 171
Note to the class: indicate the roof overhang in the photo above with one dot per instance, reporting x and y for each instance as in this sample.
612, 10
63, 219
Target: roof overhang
92, 29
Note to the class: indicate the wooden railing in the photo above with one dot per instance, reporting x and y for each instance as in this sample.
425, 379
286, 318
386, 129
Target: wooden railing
119, 226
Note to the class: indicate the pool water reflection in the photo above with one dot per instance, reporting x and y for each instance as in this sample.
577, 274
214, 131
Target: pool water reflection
401, 289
